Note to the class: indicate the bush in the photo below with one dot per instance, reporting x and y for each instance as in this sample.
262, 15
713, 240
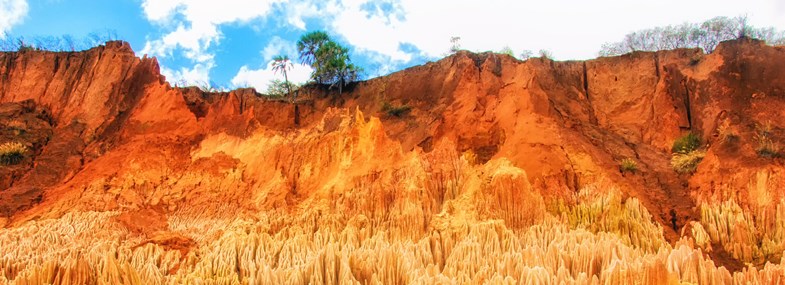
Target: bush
628, 165
706, 35
396, 111
279, 89
25, 48
766, 146
687, 162
768, 149
686, 144
12, 153
545, 54
507, 50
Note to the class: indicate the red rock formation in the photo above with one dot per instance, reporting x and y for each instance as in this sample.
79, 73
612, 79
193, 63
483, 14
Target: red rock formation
494, 150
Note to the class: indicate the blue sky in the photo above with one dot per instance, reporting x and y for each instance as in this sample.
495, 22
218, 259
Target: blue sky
231, 42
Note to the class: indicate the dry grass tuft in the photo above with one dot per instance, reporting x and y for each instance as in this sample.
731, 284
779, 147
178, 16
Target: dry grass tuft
687, 162
727, 133
628, 165
12, 153
766, 146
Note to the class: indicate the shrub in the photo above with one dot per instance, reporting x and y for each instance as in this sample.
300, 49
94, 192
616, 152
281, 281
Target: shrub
12, 153
766, 146
687, 162
507, 50
545, 54
706, 35
279, 89
686, 143
25, 48
628, 165
396, 111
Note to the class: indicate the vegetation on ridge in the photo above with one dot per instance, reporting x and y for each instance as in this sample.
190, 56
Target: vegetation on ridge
64, 43
282, 64
686, 154
706, 35
330, 60
686, 143
766, 146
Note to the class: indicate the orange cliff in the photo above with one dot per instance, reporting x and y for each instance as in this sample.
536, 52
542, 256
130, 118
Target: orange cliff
502, 171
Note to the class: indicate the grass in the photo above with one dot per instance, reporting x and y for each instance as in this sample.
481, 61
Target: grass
396, 111
12, 153
766, 148
628, 165
687, 162
765, 129
726, 133
686, 143
686, 155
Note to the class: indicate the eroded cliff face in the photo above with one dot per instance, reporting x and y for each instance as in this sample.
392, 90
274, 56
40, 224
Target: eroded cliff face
502, 172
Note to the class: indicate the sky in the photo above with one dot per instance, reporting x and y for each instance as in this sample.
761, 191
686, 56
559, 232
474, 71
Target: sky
230, 43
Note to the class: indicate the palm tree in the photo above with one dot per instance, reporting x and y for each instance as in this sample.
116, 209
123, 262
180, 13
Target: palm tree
332, 59
281, 63
335, 66
307, 46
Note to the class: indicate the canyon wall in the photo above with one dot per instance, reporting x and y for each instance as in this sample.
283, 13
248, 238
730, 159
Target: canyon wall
500, 171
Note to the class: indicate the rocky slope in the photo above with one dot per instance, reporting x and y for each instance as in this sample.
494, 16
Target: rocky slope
501, 171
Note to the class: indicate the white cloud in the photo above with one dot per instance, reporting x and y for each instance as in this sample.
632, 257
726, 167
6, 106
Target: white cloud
297, 11
198, 75
11, 13
569, 29
197, 28
260, 78
373, 32
278, 46
214, 12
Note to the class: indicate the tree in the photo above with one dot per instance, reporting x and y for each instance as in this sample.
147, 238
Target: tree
308, 45
706, 35
52, 43
281, 63
278, 88
507, 50
544, 53
526, 54
330, 61
455, 44
335, 66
